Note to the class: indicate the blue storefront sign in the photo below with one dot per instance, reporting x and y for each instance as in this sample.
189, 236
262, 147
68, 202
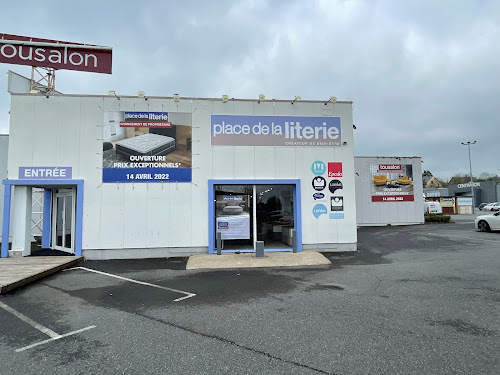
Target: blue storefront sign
146, 175
295, 131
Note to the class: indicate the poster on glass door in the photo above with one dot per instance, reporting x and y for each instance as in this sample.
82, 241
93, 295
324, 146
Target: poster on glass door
232, 217
147, 147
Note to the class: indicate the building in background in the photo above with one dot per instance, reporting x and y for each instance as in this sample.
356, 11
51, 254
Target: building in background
484, 191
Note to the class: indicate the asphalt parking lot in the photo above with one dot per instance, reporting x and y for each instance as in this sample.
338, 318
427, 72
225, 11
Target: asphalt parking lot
413, 300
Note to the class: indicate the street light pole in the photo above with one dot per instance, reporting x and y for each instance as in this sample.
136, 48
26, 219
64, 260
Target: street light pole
468, 143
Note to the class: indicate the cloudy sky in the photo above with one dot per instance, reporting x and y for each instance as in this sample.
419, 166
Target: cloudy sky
423, 75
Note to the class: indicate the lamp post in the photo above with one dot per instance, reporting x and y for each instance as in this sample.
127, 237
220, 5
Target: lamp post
468, 143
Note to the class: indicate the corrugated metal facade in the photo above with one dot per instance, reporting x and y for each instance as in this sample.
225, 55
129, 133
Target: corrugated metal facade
172, 218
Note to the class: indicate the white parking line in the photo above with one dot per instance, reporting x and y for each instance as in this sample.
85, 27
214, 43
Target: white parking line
52, 334
30, 321
54, 339
187, 294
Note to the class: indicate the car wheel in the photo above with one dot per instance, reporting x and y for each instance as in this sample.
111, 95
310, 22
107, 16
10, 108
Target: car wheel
483, 226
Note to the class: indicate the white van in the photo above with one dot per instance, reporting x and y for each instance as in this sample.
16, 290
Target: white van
433, 208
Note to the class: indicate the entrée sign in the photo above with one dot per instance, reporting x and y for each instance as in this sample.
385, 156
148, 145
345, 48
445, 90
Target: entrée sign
44, 173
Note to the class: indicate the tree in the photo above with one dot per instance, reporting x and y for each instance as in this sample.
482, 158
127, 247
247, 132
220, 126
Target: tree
426, 173
485, 176
459, 178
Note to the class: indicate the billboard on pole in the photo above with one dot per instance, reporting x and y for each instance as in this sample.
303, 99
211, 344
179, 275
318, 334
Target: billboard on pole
23, 50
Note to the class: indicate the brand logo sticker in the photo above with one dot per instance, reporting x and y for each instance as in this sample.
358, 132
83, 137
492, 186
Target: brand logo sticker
335, 185
318, 183
334, 169
319, 196
318, 168
319, 210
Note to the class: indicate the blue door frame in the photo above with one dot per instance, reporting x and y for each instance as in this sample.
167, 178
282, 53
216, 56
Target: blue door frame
297, 216
48, 185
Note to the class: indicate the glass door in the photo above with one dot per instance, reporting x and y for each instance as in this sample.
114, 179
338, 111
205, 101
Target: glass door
248, 213
63, 220
275, 215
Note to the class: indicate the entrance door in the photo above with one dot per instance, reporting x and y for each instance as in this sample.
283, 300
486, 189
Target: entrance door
244, 214
63, 220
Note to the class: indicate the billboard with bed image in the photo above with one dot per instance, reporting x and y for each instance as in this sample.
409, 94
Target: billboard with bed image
147, 147
391, 182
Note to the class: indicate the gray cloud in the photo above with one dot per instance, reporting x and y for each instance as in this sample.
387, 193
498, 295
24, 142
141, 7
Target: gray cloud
423, 75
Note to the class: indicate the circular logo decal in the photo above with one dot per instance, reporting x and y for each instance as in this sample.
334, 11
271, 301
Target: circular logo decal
318, 196
335, 185
318, 183
318, 168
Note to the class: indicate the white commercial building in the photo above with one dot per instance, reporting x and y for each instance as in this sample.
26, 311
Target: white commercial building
4, 150
139, 177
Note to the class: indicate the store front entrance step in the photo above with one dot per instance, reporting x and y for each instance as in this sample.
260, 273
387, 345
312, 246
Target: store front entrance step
248, 260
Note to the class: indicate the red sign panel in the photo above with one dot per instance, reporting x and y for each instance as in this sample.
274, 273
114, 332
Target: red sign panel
392, 198
334, 169
23, 50
390, 168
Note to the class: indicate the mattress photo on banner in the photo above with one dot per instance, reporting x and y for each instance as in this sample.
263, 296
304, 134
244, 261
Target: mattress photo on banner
147, 147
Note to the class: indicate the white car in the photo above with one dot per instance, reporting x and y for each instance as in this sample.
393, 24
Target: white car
495, 206
487, 223
432, 208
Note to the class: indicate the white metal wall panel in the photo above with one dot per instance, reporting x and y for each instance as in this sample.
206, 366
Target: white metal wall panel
223, 162
265, 162
4, 151
244, 162
136, 212
112, 216
68, 132
285, 162
181, 215
158, 215
22, 122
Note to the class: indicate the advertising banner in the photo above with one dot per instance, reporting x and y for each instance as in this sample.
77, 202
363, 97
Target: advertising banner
293, 131
24, 50
147, 147
391, 182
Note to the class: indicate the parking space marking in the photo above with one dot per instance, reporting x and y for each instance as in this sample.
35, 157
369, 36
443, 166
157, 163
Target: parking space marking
187, 294
52, 334
54, 339
30, 321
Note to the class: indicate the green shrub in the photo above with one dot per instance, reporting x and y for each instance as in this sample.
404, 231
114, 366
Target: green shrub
437, 218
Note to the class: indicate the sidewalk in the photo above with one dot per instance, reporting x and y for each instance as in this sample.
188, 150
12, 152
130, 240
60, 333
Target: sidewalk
248, 260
